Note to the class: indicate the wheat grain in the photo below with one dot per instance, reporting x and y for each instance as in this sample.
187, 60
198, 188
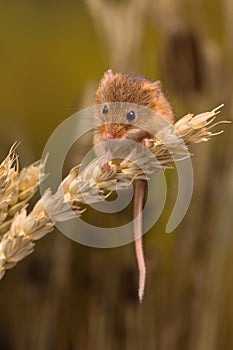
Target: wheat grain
16, 188
93, 184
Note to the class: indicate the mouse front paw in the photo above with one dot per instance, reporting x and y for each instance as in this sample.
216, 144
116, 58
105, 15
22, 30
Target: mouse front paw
147, 142
104, 160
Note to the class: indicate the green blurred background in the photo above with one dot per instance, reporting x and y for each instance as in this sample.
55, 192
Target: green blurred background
68, 296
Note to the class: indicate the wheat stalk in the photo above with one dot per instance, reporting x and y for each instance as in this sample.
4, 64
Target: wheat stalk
93, 184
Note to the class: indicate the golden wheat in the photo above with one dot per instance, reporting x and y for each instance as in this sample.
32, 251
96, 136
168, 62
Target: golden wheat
16, 188
93, 184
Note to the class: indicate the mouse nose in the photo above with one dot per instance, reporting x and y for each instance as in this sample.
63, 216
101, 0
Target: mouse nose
109, 132
109, 136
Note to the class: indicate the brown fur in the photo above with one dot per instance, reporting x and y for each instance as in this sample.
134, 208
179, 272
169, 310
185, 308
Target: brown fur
132, 88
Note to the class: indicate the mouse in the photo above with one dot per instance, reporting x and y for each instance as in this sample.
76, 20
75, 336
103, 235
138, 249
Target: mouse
130, 88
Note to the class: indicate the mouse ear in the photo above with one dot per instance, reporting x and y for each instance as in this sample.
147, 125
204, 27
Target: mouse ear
157, 87
153, 87
109, 73
157, 84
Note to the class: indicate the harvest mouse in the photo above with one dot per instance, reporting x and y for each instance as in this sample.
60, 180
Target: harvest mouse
133, 89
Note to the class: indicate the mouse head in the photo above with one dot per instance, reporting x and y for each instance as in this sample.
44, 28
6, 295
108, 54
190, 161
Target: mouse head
124, 102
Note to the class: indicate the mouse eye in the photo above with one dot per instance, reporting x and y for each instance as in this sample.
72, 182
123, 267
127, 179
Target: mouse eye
130, 116
105, 110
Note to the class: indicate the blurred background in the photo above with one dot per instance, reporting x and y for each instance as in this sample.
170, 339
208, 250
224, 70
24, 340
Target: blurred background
66, 296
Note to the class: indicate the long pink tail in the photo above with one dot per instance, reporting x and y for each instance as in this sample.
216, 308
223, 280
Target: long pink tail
138, 203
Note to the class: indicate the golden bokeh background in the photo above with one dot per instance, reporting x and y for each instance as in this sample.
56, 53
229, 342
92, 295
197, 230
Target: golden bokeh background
66, 296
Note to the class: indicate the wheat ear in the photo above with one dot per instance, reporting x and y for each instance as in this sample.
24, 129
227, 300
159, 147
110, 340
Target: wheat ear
93, 184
